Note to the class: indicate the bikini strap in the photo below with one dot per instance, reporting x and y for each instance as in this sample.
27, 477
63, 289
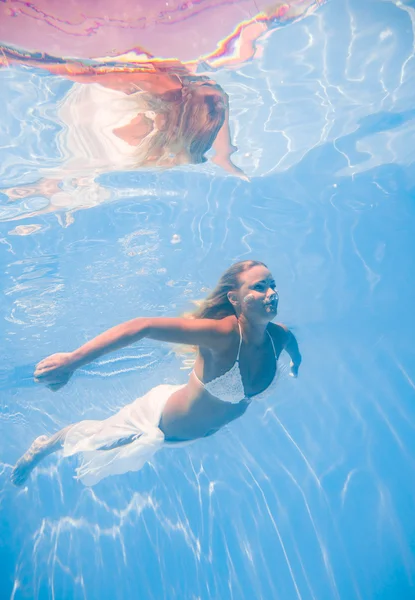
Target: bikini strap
272, 342
240, 342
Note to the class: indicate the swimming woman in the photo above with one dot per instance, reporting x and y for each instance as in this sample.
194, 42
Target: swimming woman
238, 349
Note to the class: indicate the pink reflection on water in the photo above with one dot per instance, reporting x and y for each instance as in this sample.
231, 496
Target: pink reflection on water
219, 30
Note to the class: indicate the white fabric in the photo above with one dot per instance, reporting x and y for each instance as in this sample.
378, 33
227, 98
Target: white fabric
141, 418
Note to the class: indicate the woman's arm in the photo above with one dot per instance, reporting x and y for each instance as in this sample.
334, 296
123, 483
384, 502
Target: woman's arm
291, 347
224, 149
210, 333
285, 340
127, 77
56, 370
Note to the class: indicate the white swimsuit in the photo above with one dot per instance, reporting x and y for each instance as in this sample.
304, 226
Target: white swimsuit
229, 387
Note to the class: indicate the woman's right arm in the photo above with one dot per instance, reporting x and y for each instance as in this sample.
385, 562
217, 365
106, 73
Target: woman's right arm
156, 79
56, 370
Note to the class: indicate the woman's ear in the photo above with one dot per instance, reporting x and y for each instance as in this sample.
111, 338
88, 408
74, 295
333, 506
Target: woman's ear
233, 299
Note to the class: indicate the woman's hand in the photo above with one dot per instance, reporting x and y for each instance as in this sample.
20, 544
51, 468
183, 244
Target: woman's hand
294, 369
55, 370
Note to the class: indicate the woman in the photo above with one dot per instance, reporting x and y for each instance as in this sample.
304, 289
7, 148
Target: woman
117, 117
238, 349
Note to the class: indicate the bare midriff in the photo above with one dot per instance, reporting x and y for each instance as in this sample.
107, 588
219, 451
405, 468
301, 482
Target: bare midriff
192, 413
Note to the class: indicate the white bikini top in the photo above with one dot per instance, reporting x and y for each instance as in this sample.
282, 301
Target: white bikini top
229, 387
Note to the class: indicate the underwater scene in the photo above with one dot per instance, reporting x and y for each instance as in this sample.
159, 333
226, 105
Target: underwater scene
207, 253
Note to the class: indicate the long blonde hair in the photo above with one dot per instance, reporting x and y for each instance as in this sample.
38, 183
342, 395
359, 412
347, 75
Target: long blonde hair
190, 121
216, 305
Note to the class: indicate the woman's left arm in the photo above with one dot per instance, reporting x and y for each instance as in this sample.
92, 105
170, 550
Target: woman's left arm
291, 347
223, 148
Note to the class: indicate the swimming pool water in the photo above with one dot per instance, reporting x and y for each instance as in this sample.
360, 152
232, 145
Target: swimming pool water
309, 496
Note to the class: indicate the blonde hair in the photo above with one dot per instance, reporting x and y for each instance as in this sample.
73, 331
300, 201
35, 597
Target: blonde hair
190, 122
217, 304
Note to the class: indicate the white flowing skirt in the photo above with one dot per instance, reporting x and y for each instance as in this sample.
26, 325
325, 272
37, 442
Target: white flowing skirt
139, 420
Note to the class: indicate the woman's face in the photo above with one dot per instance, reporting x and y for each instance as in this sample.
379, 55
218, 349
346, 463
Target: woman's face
257, 296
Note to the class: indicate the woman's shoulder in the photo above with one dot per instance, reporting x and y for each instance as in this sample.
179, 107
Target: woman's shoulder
229, 327
279, 333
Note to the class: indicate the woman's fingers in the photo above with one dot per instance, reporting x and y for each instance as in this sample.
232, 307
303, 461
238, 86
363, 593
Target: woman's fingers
47, 366
40, 373
43, 367
294, 371
53, 371
44, 374
52, 378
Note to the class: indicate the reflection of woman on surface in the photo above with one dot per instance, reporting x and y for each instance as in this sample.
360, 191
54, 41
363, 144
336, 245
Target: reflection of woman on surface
124, 118
238, 350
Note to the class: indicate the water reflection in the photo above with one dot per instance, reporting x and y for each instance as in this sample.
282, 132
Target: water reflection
117, 118
137, 108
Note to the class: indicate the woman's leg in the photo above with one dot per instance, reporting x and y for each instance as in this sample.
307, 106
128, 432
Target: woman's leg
41, 447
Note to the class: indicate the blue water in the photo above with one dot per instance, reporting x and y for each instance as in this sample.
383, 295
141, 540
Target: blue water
309, 496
